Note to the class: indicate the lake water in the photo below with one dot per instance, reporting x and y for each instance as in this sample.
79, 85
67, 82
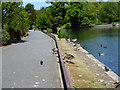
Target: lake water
92, 38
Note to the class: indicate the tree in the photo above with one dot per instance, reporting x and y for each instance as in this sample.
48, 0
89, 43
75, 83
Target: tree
75, 15
42, 21
32, 16
14, 18
93, 11
29, 8
109, 12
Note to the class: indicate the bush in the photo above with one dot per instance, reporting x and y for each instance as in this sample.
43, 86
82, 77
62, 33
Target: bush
5, 37
49, 30
26, 34
63, 33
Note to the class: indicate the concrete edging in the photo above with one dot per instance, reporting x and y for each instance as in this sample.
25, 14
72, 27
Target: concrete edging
65, 77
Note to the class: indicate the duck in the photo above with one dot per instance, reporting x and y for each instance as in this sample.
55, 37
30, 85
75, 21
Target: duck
101, 54
105, 46
106, 68
100, 45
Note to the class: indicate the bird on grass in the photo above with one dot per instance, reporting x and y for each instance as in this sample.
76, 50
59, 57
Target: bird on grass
73, 40
117, 84
68, 57
67, 39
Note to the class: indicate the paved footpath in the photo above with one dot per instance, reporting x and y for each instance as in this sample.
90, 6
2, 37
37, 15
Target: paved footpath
21, 63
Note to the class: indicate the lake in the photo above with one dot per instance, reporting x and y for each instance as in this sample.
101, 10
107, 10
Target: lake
95, 39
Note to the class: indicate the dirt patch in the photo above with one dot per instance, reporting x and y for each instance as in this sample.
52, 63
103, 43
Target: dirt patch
85, 73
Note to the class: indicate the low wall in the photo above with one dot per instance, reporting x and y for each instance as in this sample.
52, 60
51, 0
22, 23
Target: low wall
65, 77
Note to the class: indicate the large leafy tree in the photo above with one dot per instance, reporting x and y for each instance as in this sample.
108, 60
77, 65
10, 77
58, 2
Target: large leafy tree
14, 18
109, 12
93, 9
75, 14
32, 14
42, 21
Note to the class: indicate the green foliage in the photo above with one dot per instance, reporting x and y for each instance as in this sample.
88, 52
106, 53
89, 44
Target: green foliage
62, 33
42, 21
14, 18
75, 87
29, 8
5, 37
109, 12
75, 15
93, 81
31, 14
103, 84
49, 30
93, 10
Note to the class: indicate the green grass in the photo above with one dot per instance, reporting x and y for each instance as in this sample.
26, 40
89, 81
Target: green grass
93, 81
104, 84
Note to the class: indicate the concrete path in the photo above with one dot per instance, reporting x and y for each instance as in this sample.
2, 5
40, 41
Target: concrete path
21, 63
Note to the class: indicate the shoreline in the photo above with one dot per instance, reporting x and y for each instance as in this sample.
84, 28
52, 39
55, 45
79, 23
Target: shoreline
96, 67
106, 26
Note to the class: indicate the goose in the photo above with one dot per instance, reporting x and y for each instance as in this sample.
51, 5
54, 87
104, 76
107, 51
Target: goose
118, 84
68, 57
67, 39
73, 40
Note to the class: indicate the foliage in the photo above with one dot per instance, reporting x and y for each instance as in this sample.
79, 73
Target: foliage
103, 84
5, 37
14, 17
49, 30
42, 21
93, 10
75, 15
109, 12
29, 8
62, 33
93, 81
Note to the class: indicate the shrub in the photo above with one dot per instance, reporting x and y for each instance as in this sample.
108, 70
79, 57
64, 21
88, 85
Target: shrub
5, 37
49, 30
63, 33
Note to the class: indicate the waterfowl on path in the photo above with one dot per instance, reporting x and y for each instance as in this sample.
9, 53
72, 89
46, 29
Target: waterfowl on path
55, 50
41, 62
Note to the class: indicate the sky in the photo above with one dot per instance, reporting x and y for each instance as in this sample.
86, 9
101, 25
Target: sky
38, 3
